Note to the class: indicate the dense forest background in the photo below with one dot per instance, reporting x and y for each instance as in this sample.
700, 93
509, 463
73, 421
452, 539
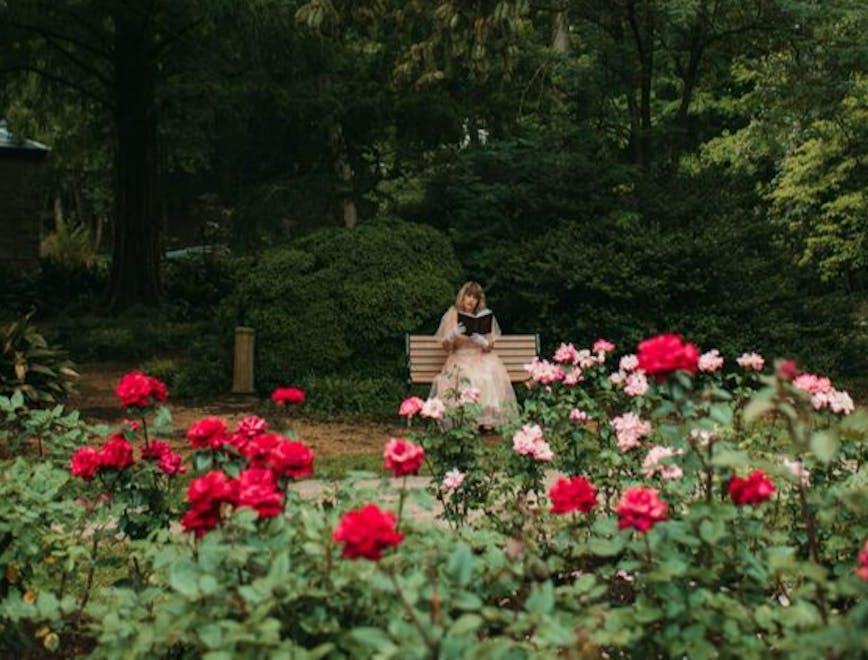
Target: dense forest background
604, 167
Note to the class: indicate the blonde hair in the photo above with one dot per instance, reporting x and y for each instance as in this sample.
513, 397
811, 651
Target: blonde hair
471, 289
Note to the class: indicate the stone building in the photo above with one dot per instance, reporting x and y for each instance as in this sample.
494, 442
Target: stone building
19, 200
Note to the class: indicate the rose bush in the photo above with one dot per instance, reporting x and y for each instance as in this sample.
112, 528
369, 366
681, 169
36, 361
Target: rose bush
732, 521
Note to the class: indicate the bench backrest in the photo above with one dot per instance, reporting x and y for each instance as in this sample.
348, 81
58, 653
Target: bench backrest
426, 357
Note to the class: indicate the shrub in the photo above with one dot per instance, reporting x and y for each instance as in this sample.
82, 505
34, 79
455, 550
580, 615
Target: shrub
339, 299
350, 394
29, 365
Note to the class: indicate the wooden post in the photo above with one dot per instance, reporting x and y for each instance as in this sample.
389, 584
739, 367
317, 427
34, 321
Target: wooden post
242, 374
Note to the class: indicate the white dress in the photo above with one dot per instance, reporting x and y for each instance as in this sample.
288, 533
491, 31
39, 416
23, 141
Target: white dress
469, 365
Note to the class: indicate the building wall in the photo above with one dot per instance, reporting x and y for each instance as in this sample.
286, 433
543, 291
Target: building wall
19, 214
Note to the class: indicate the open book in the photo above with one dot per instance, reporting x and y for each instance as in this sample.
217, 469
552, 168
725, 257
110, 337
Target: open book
476, 323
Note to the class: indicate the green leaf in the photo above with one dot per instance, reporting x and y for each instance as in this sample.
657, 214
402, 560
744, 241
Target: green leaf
824, 445
721, 413
607, 547
542, 599
183, 578
465, 624
711, 531
374, 638
758, 407
461, 564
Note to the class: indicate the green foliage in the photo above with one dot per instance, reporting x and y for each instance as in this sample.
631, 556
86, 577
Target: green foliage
29, 365
69, 246
23, 429
340, 300
352, 395
40, 550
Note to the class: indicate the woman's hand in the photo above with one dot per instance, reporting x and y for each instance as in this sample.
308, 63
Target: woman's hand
480, 341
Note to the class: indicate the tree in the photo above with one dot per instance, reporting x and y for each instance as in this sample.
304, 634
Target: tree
111, 54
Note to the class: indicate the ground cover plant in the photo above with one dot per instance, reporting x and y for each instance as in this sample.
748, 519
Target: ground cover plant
662, 502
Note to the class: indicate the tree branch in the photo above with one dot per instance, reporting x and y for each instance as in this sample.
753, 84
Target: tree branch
81, 89
49, 33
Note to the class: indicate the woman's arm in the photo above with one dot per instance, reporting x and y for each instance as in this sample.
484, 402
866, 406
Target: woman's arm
447, 333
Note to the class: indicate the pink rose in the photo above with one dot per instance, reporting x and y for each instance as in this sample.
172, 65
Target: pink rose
410, 407
566, 354
630, 429
628, 363
710, 361
749, 361
577, 415
637, 384
402, 457
653, 463
453, 479
603, 346
433, 408
529, 441
862, 570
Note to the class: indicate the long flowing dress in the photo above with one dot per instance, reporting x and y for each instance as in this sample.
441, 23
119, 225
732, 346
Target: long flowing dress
468, 365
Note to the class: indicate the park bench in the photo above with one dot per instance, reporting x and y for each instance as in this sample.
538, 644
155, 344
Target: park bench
426, 356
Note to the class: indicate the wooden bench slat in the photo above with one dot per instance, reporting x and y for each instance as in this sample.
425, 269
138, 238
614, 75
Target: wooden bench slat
427, 356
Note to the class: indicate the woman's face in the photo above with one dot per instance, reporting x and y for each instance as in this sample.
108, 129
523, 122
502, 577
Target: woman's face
469, 302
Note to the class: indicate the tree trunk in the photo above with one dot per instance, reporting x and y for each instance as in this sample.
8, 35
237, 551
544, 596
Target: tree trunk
135, 275
561, 31
349, 211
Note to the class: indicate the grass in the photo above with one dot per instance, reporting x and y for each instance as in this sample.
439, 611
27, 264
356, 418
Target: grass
336, 466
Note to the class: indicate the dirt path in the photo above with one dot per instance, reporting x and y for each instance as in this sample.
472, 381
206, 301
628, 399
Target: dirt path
97, 403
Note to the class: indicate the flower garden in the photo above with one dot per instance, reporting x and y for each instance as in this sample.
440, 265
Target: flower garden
661, 502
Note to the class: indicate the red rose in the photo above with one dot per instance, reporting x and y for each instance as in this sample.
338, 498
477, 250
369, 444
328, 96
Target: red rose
574, 494
290, 458
663, 354
755, 489
410, 406
215, 486
258, 490
85, 463
284, 395
138, 390
209, 432
155, 450
787, 370
366, 532
258, 450
402, 457
206, 495
641, 508
200, 520
171, 463
116, 453
251, 426
862, 569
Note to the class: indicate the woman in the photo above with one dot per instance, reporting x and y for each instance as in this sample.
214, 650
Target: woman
471, 366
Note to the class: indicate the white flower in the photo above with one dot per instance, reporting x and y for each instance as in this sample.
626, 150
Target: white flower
652, 464
753, 361
799, 472
711, 361
433, 408
628, 363
453, 479
637, 384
